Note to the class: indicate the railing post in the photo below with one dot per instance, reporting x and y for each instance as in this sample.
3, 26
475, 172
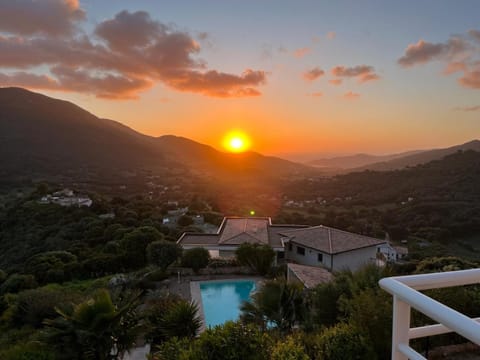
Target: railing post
400, 327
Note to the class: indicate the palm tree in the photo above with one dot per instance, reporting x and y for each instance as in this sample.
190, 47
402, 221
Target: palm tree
95, 329
277, 303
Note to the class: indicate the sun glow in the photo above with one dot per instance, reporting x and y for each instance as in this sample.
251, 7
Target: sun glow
236, 141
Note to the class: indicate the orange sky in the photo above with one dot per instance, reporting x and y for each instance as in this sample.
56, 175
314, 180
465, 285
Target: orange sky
306, 77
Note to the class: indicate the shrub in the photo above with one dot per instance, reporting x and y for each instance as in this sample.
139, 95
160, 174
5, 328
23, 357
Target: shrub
343, 341
258, 257
18, 282
231, 341
196, 258
163, 253
288, 349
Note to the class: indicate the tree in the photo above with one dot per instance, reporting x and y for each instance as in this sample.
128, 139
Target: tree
184, 220
258, 257
196, 258
163, 253
170, 316
52, 266
135, 243
95, 328
18, 282
277, 302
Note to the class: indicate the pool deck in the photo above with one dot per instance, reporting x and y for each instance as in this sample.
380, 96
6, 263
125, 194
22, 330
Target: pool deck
196, 296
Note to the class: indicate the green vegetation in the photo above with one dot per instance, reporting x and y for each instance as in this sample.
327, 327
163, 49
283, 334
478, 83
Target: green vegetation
196, 258
258, 257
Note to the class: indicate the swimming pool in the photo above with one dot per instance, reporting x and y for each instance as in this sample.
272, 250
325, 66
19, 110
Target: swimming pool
221, 300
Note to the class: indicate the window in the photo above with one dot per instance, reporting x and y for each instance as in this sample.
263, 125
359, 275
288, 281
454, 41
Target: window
300, 250
320, 257
280, 255
289, 246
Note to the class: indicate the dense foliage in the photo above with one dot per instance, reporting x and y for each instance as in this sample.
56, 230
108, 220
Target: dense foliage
258, 257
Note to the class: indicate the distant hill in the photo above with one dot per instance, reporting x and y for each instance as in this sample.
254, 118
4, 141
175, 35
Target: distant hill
43, 136
420, 158
357, 160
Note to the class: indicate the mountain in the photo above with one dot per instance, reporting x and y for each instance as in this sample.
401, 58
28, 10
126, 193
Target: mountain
45, 137
421, 157
357, 160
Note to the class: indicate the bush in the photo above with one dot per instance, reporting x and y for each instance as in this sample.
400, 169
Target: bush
184, 220
343, 341
3, 276
18, 282
163, 253
288, 349
196, 258
258, 257
231, 341
33, 306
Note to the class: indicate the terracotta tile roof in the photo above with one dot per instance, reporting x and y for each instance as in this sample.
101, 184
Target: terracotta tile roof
237, 231
310, 276
329, 240
275, 233
198, 239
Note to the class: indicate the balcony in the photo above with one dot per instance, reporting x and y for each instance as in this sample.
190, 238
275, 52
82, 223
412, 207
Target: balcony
406, 295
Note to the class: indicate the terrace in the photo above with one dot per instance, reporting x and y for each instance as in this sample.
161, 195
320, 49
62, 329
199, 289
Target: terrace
406, 295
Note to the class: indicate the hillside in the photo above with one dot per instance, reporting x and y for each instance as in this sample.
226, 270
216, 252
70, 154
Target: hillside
45, 137
357, 160
420, 158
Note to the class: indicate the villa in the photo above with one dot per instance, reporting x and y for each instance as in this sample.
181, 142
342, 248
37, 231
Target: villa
235, 231
317, 246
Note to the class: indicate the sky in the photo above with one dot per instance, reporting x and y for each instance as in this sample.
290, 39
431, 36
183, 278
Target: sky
298, 77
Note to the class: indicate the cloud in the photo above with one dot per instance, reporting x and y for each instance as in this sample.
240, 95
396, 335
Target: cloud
363, 73
423, 52
459, 53
470, 79
316, 94
127, 54
468, 108
335, 82
351, 95
331, 35
313, 74
301, 52
52, 17
475, 34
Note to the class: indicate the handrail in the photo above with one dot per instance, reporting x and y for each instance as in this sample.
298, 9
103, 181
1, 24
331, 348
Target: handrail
406, 295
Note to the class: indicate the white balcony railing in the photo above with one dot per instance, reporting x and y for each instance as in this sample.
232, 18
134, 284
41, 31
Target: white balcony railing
406, 296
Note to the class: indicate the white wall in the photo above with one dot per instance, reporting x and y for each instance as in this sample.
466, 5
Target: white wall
355, 259
310, 258
352, 260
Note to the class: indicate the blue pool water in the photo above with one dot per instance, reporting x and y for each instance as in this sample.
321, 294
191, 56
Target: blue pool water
222, 299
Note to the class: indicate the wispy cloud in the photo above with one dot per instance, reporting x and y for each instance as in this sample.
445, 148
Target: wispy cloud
125, 55
302, 52
459, 53
468, 108
351, 95
313, 74
335, 82
331, 35
363, 73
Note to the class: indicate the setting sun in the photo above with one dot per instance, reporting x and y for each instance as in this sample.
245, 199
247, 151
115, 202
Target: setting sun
236, 141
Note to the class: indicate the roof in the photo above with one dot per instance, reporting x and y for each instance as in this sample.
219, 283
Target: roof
329, 240
236, 231
310, 276
275, 233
